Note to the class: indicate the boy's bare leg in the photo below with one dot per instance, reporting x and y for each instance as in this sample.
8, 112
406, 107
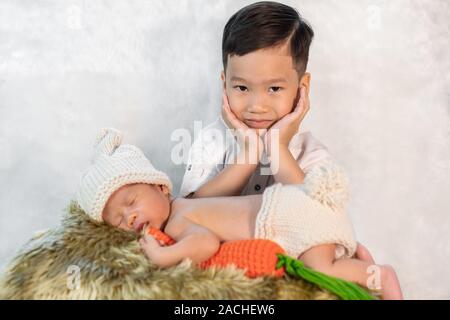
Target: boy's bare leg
321, 258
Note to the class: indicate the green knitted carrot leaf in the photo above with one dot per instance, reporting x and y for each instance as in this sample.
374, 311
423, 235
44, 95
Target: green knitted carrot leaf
343, 289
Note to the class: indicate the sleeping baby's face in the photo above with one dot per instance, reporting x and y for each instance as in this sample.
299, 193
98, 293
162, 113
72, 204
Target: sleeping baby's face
133, 206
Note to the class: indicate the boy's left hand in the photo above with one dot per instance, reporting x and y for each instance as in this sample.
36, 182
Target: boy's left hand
289, 124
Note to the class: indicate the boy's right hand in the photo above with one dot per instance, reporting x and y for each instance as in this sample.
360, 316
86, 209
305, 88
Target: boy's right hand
246, 137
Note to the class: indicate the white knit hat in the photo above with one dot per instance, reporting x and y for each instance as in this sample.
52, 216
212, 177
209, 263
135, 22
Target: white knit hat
113, 166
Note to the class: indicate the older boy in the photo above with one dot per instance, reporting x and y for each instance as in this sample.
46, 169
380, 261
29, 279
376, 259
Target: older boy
265, 50
265, 87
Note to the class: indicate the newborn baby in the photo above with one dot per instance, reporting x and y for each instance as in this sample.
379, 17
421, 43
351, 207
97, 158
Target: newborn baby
123, 189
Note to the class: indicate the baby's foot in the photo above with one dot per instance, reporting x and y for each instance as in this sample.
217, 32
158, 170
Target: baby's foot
390, 285
363, 254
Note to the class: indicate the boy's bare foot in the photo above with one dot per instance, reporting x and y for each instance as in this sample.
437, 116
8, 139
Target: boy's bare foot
390, 285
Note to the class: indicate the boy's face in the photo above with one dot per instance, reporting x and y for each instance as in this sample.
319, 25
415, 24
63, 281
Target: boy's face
134, 205
263, 86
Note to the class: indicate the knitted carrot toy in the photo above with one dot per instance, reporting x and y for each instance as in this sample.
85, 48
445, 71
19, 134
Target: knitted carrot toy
261, 257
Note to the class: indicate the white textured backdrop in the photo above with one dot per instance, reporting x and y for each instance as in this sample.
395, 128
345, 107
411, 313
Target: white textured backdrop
380, 102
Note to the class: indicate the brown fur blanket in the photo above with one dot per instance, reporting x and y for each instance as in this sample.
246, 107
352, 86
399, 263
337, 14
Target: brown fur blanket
83, 259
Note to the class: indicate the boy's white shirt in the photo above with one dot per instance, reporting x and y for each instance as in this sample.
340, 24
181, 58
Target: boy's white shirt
214, 148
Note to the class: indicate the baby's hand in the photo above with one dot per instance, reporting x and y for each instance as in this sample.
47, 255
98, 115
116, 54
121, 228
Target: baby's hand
150, 245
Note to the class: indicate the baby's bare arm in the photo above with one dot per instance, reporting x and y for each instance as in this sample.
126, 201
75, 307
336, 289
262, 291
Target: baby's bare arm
196, 243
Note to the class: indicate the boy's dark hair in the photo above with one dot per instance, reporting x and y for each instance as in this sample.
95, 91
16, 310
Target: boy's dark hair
267, 24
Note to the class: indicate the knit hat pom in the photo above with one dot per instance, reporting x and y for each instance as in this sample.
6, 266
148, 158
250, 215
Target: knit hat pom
107, 142
328, 184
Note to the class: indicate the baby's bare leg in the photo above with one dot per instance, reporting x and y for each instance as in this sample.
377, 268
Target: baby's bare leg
321, 258
362, 253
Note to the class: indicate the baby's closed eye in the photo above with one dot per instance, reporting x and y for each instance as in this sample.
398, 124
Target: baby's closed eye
131, 201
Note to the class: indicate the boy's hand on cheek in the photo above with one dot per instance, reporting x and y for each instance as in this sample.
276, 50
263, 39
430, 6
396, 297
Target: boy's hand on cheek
228, 115
288, 125
246, 136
